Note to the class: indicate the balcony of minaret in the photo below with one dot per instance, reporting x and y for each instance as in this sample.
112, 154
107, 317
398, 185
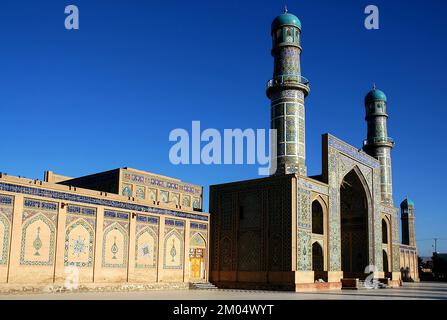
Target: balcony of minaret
284, 82
379, 142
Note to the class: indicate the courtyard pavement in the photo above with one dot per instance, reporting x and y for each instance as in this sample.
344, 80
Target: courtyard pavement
409, 291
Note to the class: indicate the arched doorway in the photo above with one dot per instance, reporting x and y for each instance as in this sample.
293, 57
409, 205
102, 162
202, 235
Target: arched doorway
197, 249
385, 261
317, 257
386, 244
354, 206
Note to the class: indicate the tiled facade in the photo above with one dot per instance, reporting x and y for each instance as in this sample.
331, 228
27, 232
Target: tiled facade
340, 224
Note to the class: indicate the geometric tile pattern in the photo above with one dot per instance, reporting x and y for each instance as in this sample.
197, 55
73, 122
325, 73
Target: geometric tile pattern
5, 231
146, 242
198, 234
304, 230
38, 221
200, 226
115, 239
83, 221
173, 244
77, 245
146, 246
6, 205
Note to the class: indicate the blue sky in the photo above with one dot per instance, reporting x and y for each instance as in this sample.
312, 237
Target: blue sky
108, 95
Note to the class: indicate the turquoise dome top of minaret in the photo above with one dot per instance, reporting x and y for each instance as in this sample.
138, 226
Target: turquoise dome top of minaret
375, 95
286, 19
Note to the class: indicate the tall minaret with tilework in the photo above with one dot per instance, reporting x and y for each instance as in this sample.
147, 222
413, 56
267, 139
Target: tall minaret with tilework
407, 218
377, 143
287, 91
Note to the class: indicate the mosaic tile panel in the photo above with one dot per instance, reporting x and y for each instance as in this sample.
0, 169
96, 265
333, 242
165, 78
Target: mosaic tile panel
199, 226
377, 231
155, 181
174, 244
140, 193
38, 238
304, 209
146, 246
196, 203
4, 235
353, 152
6, 207
79, 243
334, 243
115, 244
197, 239
309, 185
147, 219
78, 210
304, 262
116, 215
304, 230
6, 200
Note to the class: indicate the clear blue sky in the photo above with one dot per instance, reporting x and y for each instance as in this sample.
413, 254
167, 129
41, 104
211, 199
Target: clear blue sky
108, 95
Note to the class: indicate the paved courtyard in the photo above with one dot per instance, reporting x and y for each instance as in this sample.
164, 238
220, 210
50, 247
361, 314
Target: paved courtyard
414, 291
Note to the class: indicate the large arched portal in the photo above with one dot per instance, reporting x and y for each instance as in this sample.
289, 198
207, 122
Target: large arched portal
354, 224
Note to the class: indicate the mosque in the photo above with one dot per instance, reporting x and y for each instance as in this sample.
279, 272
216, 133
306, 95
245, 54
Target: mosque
296, 232
127, 228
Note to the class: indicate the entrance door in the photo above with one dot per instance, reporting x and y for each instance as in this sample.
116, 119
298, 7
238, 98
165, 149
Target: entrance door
196, 263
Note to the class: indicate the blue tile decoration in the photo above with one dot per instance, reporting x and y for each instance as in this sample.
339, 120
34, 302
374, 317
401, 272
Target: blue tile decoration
197, 239
200, 226
81, 210
77, 243
116, 215
147, 219
5, 241
37, 204
116, 247
310, 185
74, 209
144, 249
175, 223
179, 223
6, 200
51, 244
170, 251
353, 152
152, 181
31, 203
96, 201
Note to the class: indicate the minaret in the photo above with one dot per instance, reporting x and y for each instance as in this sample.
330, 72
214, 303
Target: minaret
287, 91
407, 217
378, 144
